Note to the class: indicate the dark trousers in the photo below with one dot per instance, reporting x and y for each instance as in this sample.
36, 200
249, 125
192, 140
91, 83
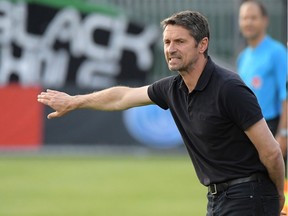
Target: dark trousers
258, 198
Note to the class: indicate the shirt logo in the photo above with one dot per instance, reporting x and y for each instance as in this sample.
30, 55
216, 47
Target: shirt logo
256, 82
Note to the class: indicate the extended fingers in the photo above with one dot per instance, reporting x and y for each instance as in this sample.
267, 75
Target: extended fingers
49, 97
45, 97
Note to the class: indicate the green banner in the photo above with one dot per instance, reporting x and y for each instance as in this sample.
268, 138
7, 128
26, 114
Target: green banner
81, 5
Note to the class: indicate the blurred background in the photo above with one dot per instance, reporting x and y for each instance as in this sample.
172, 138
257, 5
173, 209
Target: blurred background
81, 46
84, 46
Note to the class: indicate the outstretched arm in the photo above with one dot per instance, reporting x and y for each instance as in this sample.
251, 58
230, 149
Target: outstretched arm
111, 99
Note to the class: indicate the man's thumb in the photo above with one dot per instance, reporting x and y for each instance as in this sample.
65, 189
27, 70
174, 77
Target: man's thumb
53, 115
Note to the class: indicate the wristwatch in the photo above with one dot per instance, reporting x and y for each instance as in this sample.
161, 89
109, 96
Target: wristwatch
283, 132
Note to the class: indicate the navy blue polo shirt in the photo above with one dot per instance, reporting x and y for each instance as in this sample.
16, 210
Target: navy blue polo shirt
212, 120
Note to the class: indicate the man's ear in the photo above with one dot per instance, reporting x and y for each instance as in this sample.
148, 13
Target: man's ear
203, 45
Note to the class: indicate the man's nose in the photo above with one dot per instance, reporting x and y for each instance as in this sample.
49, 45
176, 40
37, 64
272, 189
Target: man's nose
172, 48
248, 21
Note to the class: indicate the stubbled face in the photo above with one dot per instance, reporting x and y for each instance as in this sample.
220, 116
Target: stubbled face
251, 21
180, 48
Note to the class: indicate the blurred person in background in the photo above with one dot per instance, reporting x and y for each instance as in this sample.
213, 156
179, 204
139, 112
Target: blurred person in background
263, 67
232, 149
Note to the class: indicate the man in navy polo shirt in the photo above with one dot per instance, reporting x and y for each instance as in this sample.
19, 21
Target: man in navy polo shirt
233, 151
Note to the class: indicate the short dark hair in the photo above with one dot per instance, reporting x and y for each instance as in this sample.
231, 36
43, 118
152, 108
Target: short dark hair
193, 21
261, 6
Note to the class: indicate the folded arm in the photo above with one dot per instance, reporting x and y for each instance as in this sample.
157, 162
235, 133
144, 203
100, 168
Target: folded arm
281, 136
270, 154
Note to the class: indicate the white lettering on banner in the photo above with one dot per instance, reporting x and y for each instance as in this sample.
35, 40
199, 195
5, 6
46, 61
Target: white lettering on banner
64, 28
25, 67
40, 63
90, 74
24, 39
55, 67
5, 24
97, 51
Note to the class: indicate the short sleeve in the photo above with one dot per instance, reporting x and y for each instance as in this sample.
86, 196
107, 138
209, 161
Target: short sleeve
280, 65
158, 92
240, 104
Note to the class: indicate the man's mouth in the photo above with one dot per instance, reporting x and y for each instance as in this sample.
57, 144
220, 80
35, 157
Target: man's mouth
248, 29
173, 58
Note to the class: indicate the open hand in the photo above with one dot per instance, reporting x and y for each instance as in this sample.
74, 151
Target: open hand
59, 101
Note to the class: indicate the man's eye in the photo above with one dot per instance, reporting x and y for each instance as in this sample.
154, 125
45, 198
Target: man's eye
179, 41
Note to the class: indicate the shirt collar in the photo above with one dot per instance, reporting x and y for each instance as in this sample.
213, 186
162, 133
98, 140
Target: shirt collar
261, 43
203, 79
